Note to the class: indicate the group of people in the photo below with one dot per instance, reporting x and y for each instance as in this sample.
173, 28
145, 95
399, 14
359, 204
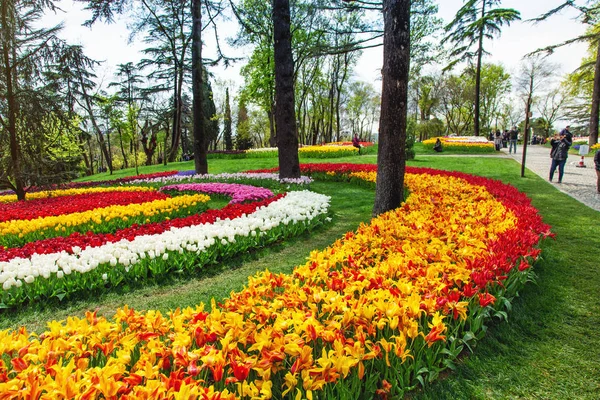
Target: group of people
508, 137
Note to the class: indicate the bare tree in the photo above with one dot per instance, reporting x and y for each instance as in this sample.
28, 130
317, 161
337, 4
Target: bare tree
551, 107
589, 14
535, 72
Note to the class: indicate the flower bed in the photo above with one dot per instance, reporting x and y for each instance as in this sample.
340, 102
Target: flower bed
264, 179
381, 311
10, 197
54, 206
108, 219
186, 248
238, 193
465, 144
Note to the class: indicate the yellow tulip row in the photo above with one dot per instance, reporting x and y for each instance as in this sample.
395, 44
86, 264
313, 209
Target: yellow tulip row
100, 215
326, 149
9, 198
372, 297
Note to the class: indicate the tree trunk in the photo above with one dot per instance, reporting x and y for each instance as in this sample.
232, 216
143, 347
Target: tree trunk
125, 164
391, 159
272, 130
200, 158
595, 101
478, 75
526, 133
12, 106
90, 111
285, 118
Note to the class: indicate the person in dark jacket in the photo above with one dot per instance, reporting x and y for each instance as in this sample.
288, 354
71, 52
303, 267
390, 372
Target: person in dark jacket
560, 151
513, 136
597, 163
438, 145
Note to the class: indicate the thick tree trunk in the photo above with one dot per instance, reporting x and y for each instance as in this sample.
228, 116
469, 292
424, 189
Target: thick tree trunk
391, 159
595, 114
200, 158
285, 118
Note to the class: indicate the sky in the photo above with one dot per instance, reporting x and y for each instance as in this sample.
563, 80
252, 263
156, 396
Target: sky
110, 43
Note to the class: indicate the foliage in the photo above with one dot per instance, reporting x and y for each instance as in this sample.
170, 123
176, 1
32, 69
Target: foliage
39, 136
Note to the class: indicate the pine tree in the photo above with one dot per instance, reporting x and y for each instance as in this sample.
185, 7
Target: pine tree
476, 20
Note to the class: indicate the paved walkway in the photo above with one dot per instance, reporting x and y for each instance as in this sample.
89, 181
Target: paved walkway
579, 183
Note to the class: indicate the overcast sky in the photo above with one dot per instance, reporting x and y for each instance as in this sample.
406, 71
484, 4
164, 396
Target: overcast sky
110, 42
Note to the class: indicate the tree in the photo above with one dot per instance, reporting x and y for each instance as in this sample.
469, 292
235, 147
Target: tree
285, 118
535, 71
589, 15
551, 108
227, 123
475, 21
105, 10
391, 159
495, 86
243, 141
362, 108
32, 112
456, 99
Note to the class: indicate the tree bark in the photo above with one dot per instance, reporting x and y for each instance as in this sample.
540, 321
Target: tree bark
125, 164
200, 157
285, 118
8, 42
526, 133
595, 101
391, 159
478, 75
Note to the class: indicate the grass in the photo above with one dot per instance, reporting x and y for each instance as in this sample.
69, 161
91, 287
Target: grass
549, 348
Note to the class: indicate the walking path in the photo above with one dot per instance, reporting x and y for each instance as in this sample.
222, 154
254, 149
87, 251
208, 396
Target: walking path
579, 183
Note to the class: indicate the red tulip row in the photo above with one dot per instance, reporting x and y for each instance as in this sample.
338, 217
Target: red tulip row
54, 206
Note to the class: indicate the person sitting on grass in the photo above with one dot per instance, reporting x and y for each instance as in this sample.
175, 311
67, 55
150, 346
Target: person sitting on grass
438, 145
356, 143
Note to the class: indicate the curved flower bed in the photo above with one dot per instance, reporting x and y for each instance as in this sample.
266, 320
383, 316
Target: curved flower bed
76, 240
101, 220
54, 206
262, 178
239, 193
380, 311
186, 248
9, 198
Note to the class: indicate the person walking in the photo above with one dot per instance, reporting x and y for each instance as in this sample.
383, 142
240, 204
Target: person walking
513, 136
498, 140
560, 151
597, 163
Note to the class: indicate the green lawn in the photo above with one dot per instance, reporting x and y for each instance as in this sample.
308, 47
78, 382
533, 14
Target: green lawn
548, 349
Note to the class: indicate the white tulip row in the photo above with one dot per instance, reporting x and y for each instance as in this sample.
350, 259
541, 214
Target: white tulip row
303, 180
295, 207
